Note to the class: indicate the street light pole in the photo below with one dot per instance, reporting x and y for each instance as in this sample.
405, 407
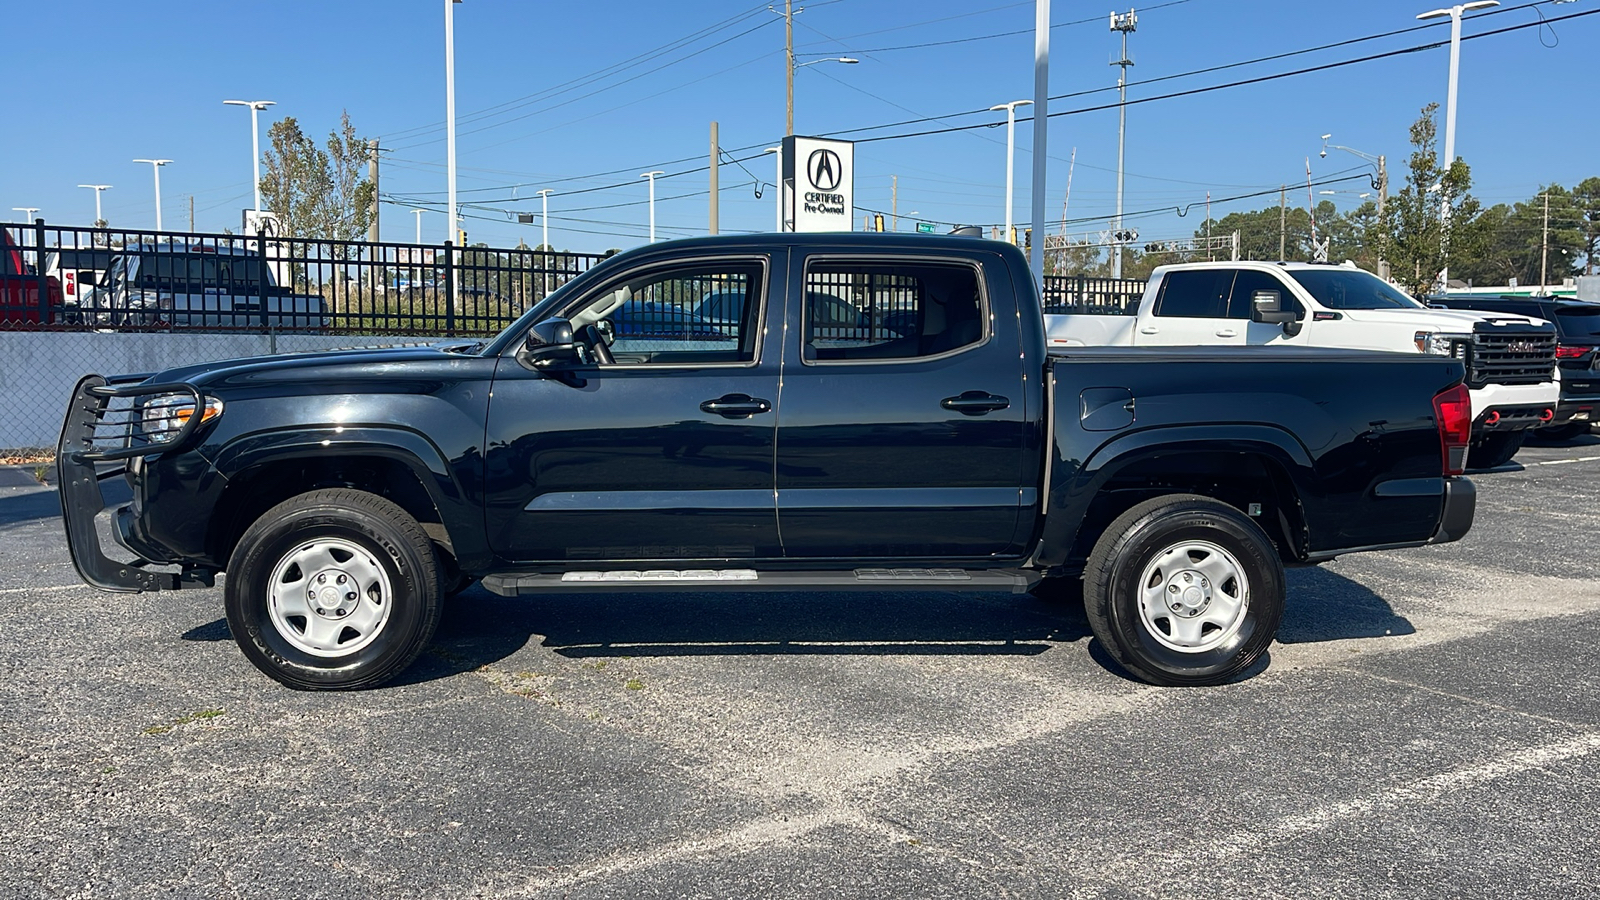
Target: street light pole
789, 54
97, 188
418, 213
1125, 24
1041, 131
652, 177
544, 216
1382, 162
1454, 12
1011, 134
155, 165
450, 110
256, 106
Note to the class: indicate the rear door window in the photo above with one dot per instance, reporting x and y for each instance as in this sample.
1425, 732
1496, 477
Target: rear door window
1578, 322
1195, 294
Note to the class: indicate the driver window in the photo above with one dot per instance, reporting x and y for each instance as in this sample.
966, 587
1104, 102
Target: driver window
703, 312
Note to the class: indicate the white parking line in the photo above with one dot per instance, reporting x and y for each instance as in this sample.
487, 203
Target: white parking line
58, 587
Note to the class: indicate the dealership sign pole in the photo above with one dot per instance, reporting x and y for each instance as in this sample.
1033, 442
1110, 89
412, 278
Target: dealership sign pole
818, 184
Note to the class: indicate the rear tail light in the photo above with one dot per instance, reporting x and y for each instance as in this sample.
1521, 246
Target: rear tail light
1571, 352
1452, 410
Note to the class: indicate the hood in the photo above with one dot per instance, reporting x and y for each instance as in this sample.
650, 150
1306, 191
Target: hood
1445, 320
326, 366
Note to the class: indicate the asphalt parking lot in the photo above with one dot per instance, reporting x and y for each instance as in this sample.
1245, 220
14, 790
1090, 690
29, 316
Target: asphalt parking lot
1428, 726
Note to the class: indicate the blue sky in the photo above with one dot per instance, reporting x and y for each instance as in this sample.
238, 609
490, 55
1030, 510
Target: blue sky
94, 85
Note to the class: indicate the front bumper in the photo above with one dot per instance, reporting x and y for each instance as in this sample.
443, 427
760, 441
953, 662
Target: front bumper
85, 442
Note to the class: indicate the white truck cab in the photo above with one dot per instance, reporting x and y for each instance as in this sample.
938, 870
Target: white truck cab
1511, 365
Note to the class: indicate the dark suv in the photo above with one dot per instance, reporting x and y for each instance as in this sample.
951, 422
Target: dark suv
1577, 353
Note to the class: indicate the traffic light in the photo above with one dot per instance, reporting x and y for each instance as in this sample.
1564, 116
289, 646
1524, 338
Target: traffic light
877, 222
461, 237
1125, 237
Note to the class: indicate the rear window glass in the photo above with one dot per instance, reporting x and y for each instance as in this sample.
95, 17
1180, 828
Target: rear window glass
1578, 321
1195, 294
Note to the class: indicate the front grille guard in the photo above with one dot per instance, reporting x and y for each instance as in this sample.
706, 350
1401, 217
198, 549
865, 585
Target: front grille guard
100, 428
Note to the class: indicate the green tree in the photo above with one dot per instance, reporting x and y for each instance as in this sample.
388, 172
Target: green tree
1417, 241
318, 193
1586, 200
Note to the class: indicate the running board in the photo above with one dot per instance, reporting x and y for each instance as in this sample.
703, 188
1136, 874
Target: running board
511, 584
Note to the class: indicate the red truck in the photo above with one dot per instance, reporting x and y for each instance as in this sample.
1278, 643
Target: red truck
19, 289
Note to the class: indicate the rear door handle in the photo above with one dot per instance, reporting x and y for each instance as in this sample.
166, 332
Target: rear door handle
1149, 329
1227, 332
974, 403
736, 406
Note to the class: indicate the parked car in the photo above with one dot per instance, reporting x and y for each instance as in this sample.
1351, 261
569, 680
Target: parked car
1577, 353
201, 286
19, 289
78, 270
1510, 358
345, 493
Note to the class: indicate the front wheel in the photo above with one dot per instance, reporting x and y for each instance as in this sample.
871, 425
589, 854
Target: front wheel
333, 590
1495, 449
1184, 590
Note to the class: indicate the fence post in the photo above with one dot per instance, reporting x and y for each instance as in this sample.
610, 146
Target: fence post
449, 289
261, 287
38, 271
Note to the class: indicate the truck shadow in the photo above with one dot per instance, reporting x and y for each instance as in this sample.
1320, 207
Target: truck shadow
27, 506
479, 628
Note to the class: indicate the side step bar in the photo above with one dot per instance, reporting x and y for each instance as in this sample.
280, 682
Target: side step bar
606, 581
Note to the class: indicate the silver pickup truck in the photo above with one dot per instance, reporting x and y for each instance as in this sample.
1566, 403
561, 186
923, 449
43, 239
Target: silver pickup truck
185, 286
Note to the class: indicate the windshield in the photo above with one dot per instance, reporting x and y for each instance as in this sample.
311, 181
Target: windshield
1352, 289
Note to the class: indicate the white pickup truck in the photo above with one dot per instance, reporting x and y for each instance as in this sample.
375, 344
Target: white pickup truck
1511, 359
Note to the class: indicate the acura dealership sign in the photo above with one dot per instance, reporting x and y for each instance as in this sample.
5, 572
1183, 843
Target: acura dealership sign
818, 184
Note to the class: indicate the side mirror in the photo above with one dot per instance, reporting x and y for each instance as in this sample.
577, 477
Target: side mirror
549, 344
1266, 307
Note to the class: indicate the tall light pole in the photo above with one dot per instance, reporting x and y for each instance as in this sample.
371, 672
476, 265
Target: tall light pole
777, 184
652, 177
155, 166
1041, 131
418, 213
1011, 146
849, 61
544, 216
1454, 12
450, 110
256, 106
1126, 24
28, 211
97, 188
1382, 162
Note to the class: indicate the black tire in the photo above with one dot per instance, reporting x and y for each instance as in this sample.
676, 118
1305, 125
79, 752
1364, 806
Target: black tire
1162, 528
393, 577
1495, 449
1562, 432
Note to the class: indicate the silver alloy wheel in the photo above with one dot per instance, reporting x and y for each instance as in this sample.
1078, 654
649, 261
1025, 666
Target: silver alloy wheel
1193, 597
329, 597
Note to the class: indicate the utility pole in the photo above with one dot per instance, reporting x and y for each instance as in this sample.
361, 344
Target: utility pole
191, 213
1125, 24
544, 216
715, 162
1283, 220
788, 55
1544, 246
894, 203
372, 175
418, 213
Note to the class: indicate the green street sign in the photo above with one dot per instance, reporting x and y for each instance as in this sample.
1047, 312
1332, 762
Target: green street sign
925, 227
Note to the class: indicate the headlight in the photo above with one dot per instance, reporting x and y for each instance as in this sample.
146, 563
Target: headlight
164, 415
1440, 343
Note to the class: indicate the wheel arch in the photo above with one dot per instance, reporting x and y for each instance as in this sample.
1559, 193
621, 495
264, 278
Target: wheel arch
1235, 465
396, 464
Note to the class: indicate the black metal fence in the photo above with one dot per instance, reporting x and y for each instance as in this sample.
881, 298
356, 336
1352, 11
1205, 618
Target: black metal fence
1086, 294
56, 278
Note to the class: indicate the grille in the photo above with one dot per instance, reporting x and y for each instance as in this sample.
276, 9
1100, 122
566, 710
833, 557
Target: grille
1518, 357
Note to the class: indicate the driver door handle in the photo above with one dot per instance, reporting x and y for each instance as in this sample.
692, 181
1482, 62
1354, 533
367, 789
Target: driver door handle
736, 406
974, 403
1227, 332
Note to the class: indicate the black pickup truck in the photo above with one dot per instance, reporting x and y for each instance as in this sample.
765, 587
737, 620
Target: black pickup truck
879, 413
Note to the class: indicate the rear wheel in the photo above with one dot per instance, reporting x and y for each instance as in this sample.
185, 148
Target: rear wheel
1562, 432
333, 590
1495, 449
1184, 590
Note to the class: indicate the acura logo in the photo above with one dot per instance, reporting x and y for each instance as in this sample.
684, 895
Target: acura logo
824, 169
